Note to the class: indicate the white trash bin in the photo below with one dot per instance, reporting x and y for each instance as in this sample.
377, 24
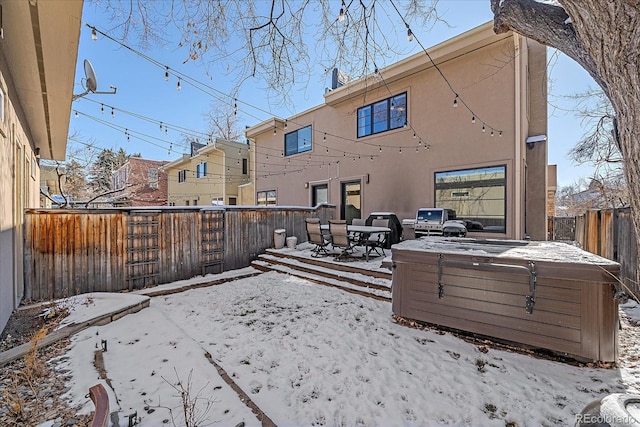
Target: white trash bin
279, 236
292, 242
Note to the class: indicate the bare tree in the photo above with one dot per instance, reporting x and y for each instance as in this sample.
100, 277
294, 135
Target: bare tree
223, 122
602, 36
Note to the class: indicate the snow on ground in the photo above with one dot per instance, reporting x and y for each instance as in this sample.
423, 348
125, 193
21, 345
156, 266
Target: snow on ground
308, 355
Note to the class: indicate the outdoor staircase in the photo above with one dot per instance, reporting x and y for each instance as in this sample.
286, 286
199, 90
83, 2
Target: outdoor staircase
373, 283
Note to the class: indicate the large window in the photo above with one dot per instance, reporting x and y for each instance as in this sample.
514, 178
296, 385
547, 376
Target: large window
477, 195
388, 114
182, 175
298, 141
266, 198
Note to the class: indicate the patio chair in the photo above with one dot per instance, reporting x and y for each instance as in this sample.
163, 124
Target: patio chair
377, 241
315, 236
340, 238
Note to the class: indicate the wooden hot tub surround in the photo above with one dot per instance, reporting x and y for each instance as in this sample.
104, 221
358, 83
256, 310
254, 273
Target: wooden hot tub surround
546, 295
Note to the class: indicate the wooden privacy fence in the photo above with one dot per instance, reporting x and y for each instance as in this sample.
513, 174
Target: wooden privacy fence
69, 252
609, 233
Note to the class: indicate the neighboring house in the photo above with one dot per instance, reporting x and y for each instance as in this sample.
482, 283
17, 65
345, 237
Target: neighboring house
142, 183
50, 186
38, 55
213, 174
395, 141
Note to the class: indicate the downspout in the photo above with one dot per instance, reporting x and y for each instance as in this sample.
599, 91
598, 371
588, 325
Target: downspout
518, 161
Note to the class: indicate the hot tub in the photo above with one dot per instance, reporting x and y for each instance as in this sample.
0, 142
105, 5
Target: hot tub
546, 295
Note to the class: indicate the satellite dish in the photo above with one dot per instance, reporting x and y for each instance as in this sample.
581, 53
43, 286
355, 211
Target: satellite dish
90, 82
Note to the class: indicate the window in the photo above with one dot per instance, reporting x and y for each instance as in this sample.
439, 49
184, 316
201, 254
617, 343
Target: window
298, 141
201, 170
245, 166
477, 195
195, 202
186, 203
382, 116
233, 201
182, 176
153, 178
266, 198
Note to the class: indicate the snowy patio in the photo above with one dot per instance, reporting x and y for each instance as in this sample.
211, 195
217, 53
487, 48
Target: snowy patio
308, 354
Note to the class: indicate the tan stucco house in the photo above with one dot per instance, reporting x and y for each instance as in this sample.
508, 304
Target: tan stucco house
464, 127
38, 53
212, 174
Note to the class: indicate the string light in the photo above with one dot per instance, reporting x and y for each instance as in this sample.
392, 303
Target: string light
341, 15
102, 108
113, 113
473, 119
235, 107
274, 130
500, 134
491, 132
285, 123
324, 138
77, 115
455, 101
166, 74
483, 129
409, 34
94, 34
179, 87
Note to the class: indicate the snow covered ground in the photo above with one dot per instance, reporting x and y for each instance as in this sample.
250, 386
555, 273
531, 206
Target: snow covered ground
310, 355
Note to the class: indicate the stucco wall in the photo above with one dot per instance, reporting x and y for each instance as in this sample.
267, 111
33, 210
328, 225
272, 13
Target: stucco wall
19, 189
484, 76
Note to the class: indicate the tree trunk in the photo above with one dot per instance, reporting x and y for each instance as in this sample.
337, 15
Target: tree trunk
604, 37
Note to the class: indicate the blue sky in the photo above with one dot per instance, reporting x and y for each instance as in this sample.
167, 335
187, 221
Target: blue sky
143, 92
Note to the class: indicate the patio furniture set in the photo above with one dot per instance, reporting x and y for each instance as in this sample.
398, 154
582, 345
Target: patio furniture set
347, 238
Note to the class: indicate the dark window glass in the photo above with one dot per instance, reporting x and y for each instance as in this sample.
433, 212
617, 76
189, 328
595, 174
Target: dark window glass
390, 113
298, 141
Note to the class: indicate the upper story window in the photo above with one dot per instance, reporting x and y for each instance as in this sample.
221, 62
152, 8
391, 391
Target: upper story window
201, 170
381, 116
182, 175
153, 178
298, 141
245, 166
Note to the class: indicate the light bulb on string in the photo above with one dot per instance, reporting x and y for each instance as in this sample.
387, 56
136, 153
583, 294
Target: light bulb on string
473, 119
76, 114
113, 114
380, 148
414, 134
455, 101
235, 107
160, 126
166, 74
491, 132
324, 138
409, 35
500, 134
94, 34
483, 128
400, 151
179, 86
274, 130
102, 108
341, 14
285, 124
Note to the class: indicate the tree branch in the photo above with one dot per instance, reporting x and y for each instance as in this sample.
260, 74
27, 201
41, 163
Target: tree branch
547, 24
